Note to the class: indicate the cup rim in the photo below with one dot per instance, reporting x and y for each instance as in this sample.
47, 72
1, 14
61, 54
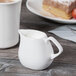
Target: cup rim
8, 3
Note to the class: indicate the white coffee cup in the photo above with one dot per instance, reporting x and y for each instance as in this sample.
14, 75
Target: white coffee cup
9, 23
35, 50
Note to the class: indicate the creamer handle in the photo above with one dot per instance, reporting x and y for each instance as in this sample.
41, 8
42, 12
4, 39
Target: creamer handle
57, 45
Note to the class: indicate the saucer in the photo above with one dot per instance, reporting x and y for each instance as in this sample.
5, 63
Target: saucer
35, 6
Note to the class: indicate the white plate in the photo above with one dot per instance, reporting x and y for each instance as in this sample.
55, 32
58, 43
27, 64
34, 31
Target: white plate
35, 6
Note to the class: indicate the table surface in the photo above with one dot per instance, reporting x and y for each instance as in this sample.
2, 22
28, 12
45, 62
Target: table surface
64, 65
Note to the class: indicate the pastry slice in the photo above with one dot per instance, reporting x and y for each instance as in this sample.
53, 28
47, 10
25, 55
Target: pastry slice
59, 8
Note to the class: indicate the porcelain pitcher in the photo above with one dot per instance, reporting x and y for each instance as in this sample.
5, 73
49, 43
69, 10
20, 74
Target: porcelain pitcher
35, 50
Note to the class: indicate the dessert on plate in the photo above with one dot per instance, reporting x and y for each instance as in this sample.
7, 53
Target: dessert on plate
60, 8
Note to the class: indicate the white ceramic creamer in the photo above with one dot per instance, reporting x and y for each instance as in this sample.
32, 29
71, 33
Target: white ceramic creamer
35, 50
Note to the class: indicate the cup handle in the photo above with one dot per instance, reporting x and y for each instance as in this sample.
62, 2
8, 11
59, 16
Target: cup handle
57, 45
